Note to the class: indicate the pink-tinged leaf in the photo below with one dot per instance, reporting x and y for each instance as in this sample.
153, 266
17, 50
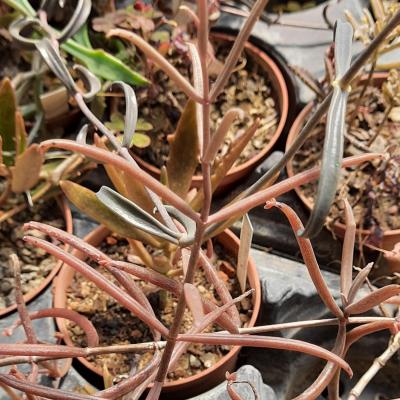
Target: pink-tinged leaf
366, 329
44, 391
100, 281
86, 201
184, 152
198, 86
226, 163
309, 257
358, 282
26, 172
328, 373
92, 337
270, 342
193, 301
219, 136
346, 275
246, 237
373, 299
159, 60
219, 286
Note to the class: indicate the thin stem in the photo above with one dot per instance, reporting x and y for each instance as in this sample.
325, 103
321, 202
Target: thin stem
244, 205
377, 365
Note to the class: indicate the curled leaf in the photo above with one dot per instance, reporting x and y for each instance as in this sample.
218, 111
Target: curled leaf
131, 113
92, 83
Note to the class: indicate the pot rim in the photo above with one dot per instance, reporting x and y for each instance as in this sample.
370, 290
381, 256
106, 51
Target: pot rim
32, 294
63, 281
339, 227
271, 68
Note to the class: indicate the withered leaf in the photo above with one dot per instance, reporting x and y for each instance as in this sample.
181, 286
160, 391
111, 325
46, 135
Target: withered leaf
25, 173
184, 152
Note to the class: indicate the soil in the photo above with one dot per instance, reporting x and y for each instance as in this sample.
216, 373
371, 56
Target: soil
116, 325
373, 189
36, 264
248, 88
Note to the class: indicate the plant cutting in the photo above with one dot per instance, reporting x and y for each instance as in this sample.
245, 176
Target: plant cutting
28, 186
256, 89
174, 220
371, 122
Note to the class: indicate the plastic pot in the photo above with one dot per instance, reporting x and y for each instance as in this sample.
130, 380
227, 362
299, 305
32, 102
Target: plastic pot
390, 237
186, 387
66, 212
280, 94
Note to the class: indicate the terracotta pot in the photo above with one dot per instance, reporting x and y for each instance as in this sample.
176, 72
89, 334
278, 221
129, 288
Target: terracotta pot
63, 204
186, 387
390, 237
280, 94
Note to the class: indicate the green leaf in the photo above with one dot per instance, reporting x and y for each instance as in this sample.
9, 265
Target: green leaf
86, 201
103, 64
82, 37
184, 152
140, 140
143, 125
116, 123
134, 216
160, 36
8, 108
21, 5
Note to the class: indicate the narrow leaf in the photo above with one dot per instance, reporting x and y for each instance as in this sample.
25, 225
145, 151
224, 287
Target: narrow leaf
91, 82
8, 107
131, 113
246, 237
133, 190
27, 169
358, 281
219, 136
184, 152
159, 60
87, 202
103, 64
20, 133
375, 298
198, 86
133, 215
347, 251
82, 37
53, 59
194, 302
226, 163
332, 154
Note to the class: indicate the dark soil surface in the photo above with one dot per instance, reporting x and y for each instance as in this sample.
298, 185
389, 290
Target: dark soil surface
116, 325
248, 88
35, 263
373, 189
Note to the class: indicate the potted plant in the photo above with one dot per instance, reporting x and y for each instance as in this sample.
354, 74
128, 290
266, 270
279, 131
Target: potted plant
28, 183
371, 119
256, 89
173, 221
